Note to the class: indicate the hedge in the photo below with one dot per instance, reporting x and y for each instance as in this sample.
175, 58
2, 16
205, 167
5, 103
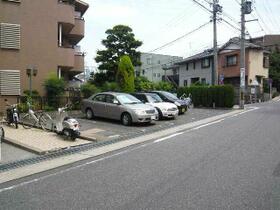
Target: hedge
206, 96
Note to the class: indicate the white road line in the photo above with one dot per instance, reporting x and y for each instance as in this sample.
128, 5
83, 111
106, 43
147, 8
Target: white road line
60, 172
207, 124
110, 156
168, 137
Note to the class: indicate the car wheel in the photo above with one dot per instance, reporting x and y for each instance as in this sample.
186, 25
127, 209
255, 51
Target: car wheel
126, 119
160, 116
89, 114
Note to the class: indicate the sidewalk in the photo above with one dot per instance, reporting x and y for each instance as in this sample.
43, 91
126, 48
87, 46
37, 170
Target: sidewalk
39, 141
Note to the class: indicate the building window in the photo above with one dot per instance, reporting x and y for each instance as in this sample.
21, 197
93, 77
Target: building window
187, 66
154, 75
9, 36
143, 72
10, 82
185, 82
16, 1
194, 80
194, 65
231, 60
158, 74
205, 63
203, 81
149, 61
266, 62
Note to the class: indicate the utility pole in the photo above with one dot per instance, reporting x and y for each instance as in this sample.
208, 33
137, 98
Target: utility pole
246, 8
216, 9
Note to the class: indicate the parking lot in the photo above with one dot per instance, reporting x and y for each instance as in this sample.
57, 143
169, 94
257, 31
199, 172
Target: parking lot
104, 129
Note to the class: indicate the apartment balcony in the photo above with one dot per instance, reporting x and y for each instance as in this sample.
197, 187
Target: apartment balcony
78, 63
66, 57
81, 6
66, 12
77, 32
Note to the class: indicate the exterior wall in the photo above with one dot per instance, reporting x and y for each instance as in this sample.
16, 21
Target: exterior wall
39, 39
231, 71
153, 70
256, 66
199, 72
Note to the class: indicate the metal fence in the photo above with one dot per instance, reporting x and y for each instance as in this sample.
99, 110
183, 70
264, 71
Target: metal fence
49, 104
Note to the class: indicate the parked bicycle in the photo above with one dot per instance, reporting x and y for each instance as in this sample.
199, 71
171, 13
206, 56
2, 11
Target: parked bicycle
12, 114
188, 99
36, 119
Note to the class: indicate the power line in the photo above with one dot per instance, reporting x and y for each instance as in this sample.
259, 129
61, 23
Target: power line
179, 38
238, 29
201, 5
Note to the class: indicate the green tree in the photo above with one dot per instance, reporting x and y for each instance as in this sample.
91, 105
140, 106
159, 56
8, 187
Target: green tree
54, 88
274, 69
125, 74
120, 41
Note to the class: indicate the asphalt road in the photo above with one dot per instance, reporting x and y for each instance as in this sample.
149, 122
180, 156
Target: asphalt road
228, 164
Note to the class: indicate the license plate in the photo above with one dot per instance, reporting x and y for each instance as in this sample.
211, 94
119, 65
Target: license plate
153, 117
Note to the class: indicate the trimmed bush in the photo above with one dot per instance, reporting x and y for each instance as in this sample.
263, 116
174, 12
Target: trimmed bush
208, 96
89, 89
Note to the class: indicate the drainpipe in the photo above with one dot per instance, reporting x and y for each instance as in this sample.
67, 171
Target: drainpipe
60, 35
59, 72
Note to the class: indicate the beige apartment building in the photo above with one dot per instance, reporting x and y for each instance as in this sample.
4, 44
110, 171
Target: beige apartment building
41, 35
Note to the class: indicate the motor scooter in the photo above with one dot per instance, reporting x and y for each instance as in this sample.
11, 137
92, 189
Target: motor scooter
12, 114
65, 125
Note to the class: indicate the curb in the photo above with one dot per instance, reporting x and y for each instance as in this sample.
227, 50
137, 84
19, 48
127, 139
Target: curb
93, 150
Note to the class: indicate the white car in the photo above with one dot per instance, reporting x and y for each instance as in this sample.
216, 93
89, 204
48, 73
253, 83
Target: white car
165, 109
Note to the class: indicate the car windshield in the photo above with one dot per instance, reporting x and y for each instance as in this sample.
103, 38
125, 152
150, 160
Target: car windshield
169, 95
154, 98
128, 99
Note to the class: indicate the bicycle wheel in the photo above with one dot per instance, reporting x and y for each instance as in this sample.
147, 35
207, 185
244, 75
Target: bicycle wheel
45, 121
28, 121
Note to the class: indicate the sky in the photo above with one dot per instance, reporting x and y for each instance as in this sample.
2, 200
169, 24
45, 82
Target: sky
158, 22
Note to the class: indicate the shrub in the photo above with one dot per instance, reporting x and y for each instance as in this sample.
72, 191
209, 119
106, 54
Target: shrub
89, 89
165, 86
110, 86
206, 96
54, 88
143, 84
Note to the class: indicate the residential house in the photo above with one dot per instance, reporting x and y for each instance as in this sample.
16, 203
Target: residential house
197, 68
256, 62
154, 67
41, 35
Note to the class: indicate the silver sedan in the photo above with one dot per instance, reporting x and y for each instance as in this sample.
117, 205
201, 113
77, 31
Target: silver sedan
118, 106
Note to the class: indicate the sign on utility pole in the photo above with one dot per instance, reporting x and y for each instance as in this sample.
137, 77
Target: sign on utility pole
246, 8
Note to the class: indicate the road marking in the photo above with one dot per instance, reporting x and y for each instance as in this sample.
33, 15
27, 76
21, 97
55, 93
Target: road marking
207, 124
168, 137
114, 155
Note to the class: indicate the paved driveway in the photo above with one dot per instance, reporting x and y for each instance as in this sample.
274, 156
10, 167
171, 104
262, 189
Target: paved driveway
104, 129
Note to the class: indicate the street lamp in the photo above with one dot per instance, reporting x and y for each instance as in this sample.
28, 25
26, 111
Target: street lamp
31, 71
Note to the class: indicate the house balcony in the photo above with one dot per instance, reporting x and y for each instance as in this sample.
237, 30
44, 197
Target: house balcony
77, 32
66, 13
66, 57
